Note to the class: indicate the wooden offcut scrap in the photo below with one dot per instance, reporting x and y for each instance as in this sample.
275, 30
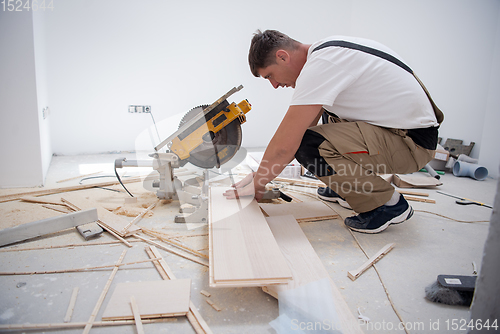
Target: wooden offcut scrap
75, 270
139, 217
58, 208
137, 315
71, 305
155, 299
214, 306
104, 292
205, 293
353, 274
185, 255
414, 181
302, 212
420, 199
412, 193
40, 200
194, 316
163, 237
17, 196
73, 325
46, 226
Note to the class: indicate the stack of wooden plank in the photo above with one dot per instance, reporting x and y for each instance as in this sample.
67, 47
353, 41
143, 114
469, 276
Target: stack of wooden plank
247, 249
243, 251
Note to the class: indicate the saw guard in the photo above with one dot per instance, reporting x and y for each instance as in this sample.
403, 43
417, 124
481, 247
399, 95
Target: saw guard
220, 131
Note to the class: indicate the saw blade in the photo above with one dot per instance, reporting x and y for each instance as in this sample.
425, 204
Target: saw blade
217, 148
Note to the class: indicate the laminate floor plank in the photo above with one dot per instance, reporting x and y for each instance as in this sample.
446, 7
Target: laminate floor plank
243, 247
306, 267
154, 299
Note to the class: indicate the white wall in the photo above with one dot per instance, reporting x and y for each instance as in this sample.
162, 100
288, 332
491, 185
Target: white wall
451, 46
489, 155
101, 56
39, 35
173, 56
20, 146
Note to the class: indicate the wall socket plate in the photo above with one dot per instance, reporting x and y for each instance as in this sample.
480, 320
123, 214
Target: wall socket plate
135, 109
45, 112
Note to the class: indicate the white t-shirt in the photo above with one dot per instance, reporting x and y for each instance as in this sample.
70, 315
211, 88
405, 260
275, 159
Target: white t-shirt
358, 86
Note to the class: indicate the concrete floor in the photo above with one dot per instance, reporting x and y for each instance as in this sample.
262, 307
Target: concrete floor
426, 246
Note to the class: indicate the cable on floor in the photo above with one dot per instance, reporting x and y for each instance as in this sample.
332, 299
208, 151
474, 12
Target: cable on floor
437, 214
382, 282
94, 177
118, 177
457, 220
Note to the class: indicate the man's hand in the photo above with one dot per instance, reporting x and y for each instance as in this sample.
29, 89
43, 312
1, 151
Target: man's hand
245, 187
279, 152
247, 180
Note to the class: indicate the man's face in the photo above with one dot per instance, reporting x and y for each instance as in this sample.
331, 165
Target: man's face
280, 74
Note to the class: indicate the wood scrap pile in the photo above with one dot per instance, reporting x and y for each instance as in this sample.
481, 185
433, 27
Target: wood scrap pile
130, 303
249, 246
401, 181
134, 303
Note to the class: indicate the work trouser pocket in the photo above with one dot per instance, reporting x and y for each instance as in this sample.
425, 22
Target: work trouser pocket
358, 136
370, 137
420, 155
340, 139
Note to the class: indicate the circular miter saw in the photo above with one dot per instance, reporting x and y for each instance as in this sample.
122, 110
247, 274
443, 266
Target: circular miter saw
208, 136
217, 148
218, 143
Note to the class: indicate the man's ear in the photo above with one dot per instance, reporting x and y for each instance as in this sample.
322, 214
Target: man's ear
282, 56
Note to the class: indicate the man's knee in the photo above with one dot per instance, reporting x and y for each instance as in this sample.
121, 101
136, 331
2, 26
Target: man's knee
308, 154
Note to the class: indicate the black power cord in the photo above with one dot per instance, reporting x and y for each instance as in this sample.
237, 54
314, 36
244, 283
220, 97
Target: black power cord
119, 180
155, 126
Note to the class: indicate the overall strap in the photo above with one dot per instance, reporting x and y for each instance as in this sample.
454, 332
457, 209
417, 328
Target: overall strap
381, 54
366, 49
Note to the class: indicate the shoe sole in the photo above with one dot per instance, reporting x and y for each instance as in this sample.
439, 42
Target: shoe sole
341, 202
394, 221
329, 199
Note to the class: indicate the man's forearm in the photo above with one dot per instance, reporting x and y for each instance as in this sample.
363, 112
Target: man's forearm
272, 164
285, 142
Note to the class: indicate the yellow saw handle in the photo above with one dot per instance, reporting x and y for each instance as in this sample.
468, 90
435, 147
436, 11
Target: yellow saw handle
183, 147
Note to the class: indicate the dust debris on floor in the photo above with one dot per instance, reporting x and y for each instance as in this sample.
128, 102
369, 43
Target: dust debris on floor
89, 257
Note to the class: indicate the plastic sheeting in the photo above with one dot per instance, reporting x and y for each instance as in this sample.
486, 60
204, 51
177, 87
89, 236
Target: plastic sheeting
306, 310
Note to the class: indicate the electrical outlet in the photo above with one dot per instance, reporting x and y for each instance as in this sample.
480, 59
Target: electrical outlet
45, 112
139, 109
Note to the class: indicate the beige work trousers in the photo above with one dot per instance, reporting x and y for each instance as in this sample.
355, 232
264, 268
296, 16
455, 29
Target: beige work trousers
358, 151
